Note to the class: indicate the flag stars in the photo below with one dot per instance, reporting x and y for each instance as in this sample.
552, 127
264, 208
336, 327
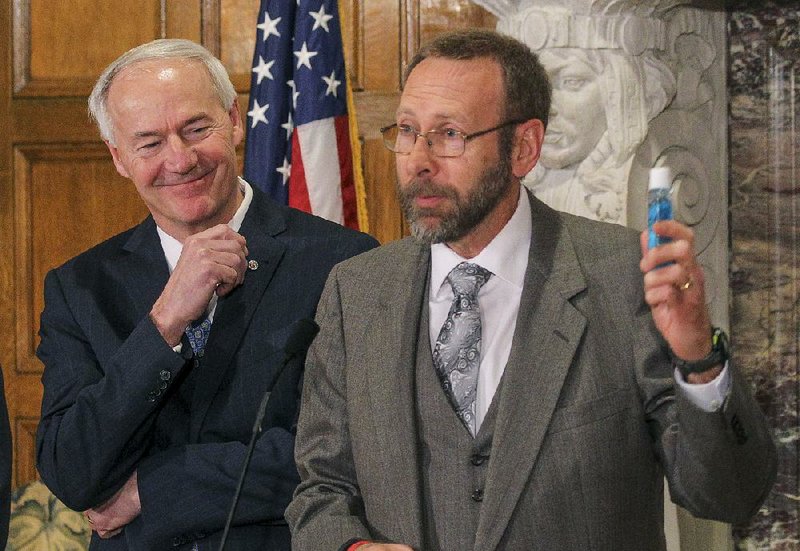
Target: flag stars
269, 27
258, 114
320, 19
295, 93
263, 69
285, 170
288, 126
332, 83
304, 56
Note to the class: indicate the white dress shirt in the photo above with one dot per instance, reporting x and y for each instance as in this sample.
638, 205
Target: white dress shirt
173, 248
506, 256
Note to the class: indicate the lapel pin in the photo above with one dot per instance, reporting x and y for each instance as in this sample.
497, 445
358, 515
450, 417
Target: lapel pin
252, 264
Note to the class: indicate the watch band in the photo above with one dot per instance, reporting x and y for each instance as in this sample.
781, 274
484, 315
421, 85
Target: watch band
720, 353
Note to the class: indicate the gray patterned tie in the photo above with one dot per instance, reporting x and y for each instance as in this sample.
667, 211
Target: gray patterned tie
457, 354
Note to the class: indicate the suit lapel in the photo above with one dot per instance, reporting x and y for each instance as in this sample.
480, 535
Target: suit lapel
392, 338
235, 311
547, 334
143, 269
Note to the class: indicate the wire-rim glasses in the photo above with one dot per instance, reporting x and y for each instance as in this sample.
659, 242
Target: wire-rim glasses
400, 139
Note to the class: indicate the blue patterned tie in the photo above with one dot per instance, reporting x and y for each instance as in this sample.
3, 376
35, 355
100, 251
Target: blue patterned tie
197, 332
457, 354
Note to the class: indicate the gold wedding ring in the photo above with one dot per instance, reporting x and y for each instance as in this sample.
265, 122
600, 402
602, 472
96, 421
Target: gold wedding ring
686, 285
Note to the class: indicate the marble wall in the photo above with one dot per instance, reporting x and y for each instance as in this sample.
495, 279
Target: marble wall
764, 45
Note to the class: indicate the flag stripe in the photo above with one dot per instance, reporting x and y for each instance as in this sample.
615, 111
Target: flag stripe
321, 164
298, 78
298, 191
346, 169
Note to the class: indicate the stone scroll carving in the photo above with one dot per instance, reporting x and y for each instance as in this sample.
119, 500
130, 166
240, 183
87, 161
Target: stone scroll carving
636, 84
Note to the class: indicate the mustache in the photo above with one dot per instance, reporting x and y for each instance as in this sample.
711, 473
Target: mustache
423, 187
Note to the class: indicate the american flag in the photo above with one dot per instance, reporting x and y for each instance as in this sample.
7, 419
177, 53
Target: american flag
298, 134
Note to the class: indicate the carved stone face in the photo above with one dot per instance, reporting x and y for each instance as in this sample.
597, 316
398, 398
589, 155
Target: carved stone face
578, 113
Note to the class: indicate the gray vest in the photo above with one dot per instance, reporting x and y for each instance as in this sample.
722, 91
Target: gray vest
453, 464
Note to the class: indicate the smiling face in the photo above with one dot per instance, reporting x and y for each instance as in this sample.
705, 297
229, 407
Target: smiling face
177, 143
463, 201
577, 114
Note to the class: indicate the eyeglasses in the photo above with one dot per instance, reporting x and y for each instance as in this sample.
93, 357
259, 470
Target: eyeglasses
400, 138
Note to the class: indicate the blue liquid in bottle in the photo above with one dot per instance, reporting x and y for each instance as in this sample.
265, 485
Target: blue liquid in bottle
659, 204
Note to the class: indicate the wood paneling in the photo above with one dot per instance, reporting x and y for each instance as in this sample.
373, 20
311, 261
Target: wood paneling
58, 51
237, 22
438, 16
66, 199
182, 19
24, 449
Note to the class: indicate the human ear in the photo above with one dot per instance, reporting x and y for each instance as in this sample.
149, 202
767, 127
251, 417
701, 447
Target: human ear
528, 138
120, 166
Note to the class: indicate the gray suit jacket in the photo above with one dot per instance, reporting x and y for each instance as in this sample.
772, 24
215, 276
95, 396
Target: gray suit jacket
589, 419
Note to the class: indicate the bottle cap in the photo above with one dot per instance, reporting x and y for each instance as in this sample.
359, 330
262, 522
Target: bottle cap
660, 178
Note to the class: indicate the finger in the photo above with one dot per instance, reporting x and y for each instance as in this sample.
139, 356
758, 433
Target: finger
228, 281
662, 294
674, 230
213, 269
666, 274
221, 232
210, 249
675, 252
106, 534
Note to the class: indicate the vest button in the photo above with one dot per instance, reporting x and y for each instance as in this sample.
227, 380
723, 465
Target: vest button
477, 495
478, 459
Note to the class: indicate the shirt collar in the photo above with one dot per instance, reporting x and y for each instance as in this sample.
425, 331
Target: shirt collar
506, 256
173, 248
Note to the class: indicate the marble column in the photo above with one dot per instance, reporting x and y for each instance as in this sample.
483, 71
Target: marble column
764, 58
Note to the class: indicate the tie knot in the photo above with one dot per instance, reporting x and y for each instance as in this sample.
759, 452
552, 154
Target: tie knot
466, 279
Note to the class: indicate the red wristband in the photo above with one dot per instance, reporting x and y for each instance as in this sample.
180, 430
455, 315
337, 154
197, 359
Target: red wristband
358, 544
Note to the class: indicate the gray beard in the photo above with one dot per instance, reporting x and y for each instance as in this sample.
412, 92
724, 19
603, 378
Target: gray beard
466, 212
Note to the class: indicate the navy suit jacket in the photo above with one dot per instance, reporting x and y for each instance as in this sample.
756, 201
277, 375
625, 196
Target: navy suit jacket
119, 399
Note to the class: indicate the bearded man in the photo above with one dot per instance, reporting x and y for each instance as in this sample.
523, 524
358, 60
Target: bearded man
506, 378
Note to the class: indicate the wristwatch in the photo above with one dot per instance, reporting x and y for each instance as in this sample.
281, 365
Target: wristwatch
720, 353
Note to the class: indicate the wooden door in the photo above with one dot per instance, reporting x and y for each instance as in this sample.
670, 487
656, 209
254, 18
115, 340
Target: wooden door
59, 192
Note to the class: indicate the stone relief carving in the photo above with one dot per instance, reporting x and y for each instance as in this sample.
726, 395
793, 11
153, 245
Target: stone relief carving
636, 84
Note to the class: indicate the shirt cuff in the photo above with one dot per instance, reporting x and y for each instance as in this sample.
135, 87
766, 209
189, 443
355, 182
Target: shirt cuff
709, 396
353, 544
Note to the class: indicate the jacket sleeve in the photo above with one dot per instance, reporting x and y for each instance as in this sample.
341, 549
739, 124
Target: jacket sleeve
719, 465
96, 416
327, 509
187, 491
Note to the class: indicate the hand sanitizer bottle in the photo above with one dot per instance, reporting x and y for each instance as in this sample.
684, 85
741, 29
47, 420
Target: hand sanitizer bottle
659, 204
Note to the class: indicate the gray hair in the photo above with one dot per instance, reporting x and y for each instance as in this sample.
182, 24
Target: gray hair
165, 48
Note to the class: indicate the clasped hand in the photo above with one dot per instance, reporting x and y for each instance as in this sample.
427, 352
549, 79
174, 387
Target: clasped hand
212, 261
111, 517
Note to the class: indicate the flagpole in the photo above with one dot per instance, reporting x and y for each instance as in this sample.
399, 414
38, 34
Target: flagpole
355, 143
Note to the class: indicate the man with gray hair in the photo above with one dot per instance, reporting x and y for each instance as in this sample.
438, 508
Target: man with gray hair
159, 343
